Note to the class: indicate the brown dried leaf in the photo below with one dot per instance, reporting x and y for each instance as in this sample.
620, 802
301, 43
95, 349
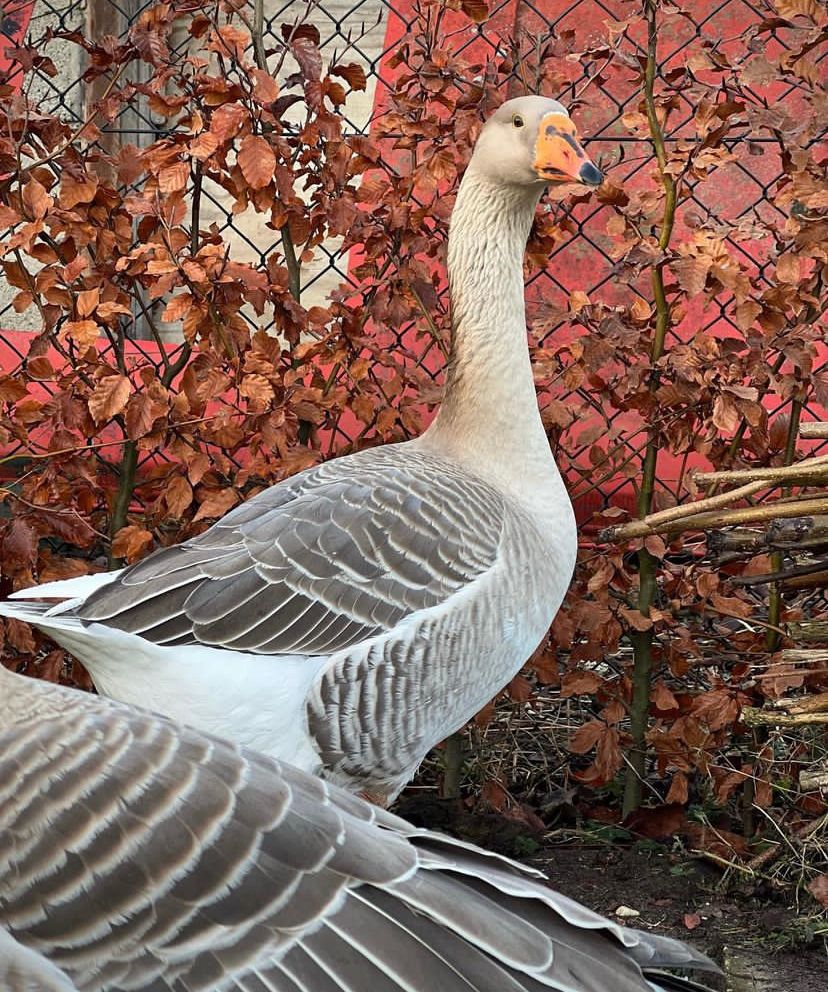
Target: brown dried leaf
545, 666
363, 407
819, 889
586, 737
608, 757
613, 712
22, 301
19, 635
678, 791
54, 568
745, 314
178, 307
109, 397
352, 73
174, 177
636, 619
204, 144
8, 217
12, 388
40, 367
717, 708
178, 495
726, 414
477, 10
386, 420
87, 302
217, 503
307, 54
131, 542
257, 161
83, 332
716, 840
656, 545
74, 191
257, 389
73, 269
578, 299
36, 200
663, 698
140, 415
230, 40
520, 689
691, 273
640, 309
495, 795
657, 823
440, 165
109, 309
580, 683
812, 9
265, 88
129, 164
19, 543
307, 30
787, 268
227, 120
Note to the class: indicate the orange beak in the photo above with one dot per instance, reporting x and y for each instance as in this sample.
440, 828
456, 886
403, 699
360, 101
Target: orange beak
559, 155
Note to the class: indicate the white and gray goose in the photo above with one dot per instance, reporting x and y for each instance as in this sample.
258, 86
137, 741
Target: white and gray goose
354, 615
139, 855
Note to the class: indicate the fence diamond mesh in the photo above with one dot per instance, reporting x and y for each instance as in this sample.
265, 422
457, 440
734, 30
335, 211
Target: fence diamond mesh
525, 42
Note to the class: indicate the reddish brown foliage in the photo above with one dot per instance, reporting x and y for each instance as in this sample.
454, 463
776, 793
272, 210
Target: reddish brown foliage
128, 445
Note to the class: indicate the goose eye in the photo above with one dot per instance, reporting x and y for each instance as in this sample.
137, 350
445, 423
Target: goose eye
517, 120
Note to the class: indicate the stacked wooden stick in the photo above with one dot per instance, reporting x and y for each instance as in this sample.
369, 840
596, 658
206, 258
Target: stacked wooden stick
793, 529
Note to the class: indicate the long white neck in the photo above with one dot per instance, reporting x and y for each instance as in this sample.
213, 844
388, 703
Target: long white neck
489, 415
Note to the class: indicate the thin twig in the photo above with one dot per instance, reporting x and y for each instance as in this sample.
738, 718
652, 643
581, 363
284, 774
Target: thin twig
817, 430
725, 518
432, 326
799, 837
32, 455
754, 718
816, 467
57, 152
711, 503
780, 576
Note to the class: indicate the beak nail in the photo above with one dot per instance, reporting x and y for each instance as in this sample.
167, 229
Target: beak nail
590, 175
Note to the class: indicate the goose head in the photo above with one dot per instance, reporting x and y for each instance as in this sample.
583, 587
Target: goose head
530, 141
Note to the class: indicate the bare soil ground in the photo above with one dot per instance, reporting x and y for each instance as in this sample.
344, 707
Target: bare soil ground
742, 932
759, 936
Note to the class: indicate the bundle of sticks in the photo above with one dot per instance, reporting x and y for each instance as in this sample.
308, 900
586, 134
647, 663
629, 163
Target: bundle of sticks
790, 525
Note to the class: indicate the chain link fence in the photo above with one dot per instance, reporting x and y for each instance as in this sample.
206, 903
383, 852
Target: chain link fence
526, 40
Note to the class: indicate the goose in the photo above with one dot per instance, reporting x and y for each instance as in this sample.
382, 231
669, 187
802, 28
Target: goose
140, 854
354, 615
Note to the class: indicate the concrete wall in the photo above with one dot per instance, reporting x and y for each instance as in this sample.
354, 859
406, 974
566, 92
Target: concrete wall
346, 34
49, 93
250, 238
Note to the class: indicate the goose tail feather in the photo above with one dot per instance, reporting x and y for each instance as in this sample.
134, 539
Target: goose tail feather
43, 614
76, 589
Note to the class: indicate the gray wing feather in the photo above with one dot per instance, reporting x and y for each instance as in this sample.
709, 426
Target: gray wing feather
187, 864
318, 563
